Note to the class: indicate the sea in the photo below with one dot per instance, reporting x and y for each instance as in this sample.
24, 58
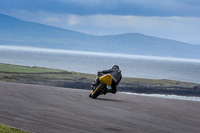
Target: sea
136, 66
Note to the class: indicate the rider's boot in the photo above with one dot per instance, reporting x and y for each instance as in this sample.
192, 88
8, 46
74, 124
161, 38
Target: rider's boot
105, 91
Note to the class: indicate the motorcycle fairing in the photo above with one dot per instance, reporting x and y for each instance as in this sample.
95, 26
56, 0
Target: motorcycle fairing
106, 79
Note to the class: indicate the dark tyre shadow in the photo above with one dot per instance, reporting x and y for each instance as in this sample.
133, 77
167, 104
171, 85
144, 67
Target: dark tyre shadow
106, 99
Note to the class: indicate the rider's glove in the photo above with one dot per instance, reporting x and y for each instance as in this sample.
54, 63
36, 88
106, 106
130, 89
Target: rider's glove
98, 73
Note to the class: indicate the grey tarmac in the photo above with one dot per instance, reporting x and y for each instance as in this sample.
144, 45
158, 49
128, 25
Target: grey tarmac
45, 109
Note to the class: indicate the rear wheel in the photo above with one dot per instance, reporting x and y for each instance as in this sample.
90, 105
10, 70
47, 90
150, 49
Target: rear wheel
98, 91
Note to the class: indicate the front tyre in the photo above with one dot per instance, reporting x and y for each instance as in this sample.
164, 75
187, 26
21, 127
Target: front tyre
90, 94
97, 91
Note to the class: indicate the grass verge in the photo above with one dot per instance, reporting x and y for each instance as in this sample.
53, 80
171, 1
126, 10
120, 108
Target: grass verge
24, 69
8, 129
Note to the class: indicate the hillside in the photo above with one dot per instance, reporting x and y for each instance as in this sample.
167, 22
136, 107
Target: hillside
22, 33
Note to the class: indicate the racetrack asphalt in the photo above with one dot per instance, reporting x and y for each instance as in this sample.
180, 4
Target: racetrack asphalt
44, 109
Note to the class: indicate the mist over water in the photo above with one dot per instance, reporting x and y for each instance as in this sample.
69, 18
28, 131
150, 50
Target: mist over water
91, 62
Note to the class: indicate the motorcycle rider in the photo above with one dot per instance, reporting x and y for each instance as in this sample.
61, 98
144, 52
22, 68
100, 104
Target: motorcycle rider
115, 72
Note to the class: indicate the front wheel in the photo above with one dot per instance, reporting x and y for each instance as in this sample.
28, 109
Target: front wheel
94, 94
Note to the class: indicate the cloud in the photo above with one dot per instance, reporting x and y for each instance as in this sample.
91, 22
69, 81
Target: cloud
83, 2
73, 20
178, 28
115, 7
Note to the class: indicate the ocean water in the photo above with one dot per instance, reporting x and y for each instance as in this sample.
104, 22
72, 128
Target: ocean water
91, 62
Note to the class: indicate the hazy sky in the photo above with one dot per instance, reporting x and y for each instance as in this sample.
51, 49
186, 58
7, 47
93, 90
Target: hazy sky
171, 19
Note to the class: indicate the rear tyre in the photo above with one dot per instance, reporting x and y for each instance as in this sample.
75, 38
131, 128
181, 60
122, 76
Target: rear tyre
98, 90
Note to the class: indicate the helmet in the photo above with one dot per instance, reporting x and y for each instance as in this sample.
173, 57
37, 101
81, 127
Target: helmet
115, 67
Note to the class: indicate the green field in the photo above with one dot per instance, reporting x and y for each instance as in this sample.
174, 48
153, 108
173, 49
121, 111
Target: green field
39, 75
24, 69
7, 129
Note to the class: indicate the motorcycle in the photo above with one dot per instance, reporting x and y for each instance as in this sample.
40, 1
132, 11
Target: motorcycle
105, 81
